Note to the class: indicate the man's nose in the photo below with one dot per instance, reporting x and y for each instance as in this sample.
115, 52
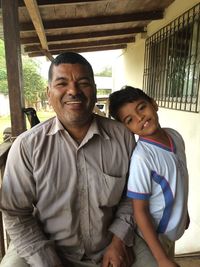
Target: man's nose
73, 89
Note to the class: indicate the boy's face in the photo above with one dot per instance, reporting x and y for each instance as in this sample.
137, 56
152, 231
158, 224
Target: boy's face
140, 117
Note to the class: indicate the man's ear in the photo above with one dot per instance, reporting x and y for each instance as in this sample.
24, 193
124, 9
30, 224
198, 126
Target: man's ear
95, 88
48, 95
154, 104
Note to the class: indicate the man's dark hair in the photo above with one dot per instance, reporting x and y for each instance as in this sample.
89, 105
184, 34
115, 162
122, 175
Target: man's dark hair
69, 58
127, 94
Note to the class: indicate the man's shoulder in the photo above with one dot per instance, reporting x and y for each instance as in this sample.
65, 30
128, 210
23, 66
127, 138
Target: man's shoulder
111, 124
116, 131
40, 129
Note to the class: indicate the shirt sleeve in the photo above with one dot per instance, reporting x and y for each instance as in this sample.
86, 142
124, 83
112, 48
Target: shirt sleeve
139, 182
123, 225
18, 195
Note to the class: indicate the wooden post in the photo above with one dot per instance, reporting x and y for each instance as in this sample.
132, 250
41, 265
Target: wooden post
14, 65
4, 148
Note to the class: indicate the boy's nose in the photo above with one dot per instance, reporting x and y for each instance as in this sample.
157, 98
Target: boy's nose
139, 117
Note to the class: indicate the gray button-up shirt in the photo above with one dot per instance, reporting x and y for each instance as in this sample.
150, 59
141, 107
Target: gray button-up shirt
59, 197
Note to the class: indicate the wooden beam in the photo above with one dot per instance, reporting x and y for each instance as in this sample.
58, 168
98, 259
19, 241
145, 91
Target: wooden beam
47, 54
84, 35
99, 43
58, 2
34, 13
92, 21
14, 65
81, 50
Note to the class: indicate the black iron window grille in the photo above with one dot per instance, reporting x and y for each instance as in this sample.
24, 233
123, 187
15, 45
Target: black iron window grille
172, 63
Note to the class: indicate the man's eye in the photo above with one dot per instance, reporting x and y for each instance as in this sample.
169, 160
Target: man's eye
84, 84
61, 84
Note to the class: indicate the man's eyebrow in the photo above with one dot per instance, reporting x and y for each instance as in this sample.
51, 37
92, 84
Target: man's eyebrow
85, 78
61, 78
79, 79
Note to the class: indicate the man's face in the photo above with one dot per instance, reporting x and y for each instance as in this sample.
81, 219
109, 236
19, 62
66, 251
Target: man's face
72, 94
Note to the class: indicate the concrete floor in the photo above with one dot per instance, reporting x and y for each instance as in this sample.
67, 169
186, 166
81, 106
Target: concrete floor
189, 261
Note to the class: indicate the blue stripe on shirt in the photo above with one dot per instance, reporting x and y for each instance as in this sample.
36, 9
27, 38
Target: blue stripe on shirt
168, 197
141, 196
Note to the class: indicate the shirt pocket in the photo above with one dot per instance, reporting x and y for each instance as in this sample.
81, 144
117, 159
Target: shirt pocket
111, 189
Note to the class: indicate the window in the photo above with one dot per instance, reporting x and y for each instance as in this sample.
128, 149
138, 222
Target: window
172, 63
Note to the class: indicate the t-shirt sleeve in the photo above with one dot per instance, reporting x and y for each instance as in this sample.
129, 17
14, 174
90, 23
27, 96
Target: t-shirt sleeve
139, 181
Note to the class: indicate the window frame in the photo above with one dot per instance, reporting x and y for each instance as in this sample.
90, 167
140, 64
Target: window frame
172, 63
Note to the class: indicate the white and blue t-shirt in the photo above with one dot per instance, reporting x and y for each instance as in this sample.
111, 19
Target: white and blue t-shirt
159, 174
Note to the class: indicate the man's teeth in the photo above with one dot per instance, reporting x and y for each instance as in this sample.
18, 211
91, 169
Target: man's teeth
73, 102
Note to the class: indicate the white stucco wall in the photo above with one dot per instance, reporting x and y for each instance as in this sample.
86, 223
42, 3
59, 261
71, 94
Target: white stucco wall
118, 71
4, 105
188, 124
125, 69
129, 70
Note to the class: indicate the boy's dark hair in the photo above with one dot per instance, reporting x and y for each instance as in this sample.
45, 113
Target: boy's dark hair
127, 94
69, 58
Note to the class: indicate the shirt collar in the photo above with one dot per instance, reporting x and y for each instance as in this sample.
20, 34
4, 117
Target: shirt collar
95, 128
55, 127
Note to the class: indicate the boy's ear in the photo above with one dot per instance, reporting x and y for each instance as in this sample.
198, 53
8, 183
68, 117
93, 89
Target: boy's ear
154, 104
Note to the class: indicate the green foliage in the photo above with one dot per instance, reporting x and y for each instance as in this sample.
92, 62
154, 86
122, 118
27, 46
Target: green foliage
3, 82
107, 72
33, 83
104, 91
3, 73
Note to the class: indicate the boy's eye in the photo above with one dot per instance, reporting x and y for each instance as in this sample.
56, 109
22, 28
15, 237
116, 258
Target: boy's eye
128, 120
142, 106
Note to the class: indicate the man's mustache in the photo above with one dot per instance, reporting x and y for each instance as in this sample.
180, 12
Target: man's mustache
78, 97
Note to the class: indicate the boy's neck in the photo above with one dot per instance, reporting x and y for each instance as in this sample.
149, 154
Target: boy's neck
161, 137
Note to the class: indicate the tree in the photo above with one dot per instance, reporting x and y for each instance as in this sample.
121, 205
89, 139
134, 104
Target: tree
34, 84
106, 72
3, 72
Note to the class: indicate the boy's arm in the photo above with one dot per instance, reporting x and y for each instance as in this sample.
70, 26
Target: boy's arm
145, 224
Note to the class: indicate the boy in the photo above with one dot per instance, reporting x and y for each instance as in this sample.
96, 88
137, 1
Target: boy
158, 179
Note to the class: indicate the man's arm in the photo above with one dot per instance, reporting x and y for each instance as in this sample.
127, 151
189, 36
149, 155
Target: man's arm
18, 195
145, 224
120, 251
123, 225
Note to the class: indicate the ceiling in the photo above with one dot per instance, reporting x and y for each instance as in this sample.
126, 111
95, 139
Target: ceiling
50, 27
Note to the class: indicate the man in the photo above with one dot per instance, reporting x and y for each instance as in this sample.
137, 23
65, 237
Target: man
63, 189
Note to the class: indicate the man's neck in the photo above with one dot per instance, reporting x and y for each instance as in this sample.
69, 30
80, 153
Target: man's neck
78, 132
